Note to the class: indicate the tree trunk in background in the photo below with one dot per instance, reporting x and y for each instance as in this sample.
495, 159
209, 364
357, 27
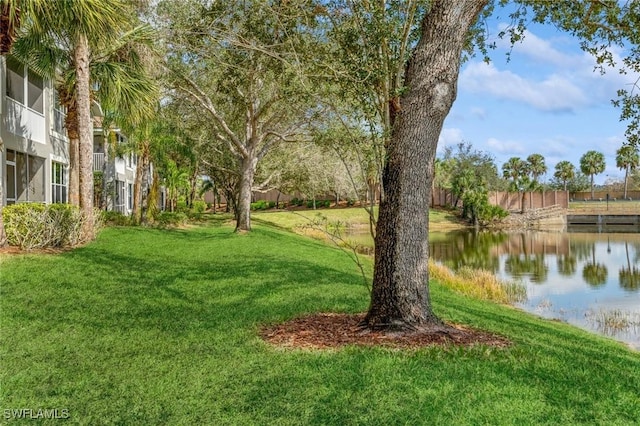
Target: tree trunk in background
140, 184
85, 132
400, 293
243, 213
144, 184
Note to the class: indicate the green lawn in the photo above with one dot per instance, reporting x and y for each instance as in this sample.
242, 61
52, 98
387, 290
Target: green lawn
354, 216
158, 327
602, 207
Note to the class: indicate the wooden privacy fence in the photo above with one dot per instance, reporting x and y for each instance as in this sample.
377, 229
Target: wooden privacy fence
510, 201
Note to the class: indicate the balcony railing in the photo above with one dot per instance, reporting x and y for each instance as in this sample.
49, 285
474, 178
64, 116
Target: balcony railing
98, 161
22, 121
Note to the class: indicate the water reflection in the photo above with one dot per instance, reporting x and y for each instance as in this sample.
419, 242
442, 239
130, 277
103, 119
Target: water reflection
629, 276
595, 273
568, 275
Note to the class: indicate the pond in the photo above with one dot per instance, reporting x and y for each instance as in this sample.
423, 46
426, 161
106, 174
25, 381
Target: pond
591, 280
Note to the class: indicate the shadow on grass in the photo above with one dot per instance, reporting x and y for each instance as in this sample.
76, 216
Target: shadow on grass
183, 280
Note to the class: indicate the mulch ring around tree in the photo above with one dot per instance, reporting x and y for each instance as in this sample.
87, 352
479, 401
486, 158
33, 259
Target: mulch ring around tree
330, 330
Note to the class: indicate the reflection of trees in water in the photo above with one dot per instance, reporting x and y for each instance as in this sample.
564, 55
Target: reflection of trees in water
532, 265
593, 273
471, 249
629, 276
581, 250
567, 264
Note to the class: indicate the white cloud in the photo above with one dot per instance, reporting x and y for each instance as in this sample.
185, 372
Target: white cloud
449, 136
555, 93
510, 148
538, 49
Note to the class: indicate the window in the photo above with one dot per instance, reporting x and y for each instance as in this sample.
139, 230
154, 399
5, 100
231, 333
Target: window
59, 114
12, 182
58, 183
20, 85
120, 200
15, 80
35, 92
37, 180
130, 196
25, 177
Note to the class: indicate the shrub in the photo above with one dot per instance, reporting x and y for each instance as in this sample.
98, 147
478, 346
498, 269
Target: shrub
492, 213
319, 203
259, 205
32, 226
198, 206
115, 218
271, 204
181, 206
165, 219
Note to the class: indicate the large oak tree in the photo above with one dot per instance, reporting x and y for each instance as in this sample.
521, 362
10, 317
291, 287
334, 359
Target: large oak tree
239, 62
400, 296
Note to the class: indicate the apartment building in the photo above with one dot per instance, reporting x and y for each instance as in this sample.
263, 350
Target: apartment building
119, 171
35, 156
34, 160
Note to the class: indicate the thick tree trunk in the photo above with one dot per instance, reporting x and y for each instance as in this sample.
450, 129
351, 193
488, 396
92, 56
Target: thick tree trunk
71, 124
626, 179
243, 215
400, 293
85, 131
136, 212
74, 172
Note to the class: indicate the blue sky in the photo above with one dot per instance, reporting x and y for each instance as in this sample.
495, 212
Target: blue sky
547, 99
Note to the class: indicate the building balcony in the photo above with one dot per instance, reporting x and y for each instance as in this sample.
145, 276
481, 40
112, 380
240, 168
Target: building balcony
25, 122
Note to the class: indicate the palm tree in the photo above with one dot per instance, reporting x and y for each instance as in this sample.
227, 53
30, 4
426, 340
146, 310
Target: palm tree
9, 23
591, 164
565, 171
75, 40
518, 171
514, 169
627, 158
536, 167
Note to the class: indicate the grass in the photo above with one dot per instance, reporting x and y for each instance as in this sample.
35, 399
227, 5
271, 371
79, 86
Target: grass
602, 207
478, 283
614, 321
149, 326
348, 217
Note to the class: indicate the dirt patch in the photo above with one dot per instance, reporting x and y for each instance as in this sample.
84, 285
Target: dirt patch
15, 250
327, 330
